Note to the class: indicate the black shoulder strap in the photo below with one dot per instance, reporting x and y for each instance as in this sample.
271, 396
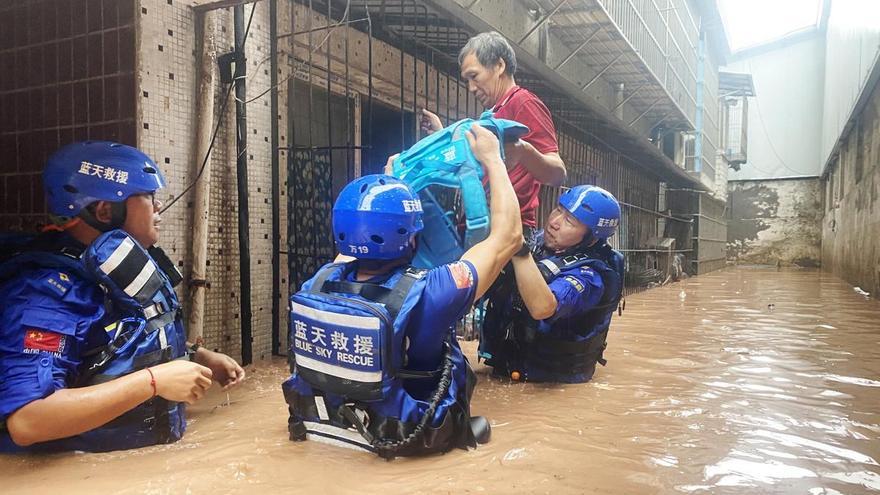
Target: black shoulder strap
166, 265
43, 250
322, 276
551, 267
401, 288
391, 297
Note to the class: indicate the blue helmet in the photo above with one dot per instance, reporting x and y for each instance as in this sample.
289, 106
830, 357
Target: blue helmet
376, 217
81, 173
594, 207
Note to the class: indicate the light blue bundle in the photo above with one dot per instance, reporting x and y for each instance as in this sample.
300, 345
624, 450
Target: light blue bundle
445, 159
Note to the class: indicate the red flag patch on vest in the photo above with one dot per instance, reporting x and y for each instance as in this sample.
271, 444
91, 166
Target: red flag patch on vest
42, 340
461, 274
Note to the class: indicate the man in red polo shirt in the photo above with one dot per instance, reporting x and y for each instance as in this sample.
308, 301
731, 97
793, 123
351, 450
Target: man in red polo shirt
488, 64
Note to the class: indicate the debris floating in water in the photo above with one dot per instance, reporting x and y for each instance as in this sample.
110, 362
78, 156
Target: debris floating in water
860, 292
225, 403
514, 454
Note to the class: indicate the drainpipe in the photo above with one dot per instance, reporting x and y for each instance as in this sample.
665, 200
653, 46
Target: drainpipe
698, 135
201, 203
276, 179
244, 261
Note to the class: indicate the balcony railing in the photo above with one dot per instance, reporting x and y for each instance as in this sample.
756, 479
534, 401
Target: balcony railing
665, 37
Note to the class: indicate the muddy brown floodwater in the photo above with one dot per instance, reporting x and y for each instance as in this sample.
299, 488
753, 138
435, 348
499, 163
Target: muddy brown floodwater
741, 381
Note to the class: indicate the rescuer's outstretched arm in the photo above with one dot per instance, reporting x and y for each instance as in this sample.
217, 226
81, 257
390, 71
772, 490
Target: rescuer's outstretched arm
505, 236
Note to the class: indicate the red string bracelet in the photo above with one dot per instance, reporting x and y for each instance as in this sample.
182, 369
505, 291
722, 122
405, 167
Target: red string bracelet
152, 381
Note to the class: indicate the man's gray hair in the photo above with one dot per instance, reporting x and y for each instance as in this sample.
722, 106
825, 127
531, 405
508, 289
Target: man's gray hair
490, 47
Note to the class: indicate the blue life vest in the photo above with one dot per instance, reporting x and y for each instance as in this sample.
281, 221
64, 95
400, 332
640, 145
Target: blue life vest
144, 330
570, 350
445, 159
350, 385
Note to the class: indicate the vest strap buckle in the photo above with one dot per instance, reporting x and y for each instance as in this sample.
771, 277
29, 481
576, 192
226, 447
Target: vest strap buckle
156, 309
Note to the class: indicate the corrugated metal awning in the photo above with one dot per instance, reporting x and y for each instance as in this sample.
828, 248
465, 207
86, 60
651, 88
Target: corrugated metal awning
734, 84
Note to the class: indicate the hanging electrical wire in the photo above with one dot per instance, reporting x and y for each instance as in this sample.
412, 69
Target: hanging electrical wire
330, 28
767, 135
223, 107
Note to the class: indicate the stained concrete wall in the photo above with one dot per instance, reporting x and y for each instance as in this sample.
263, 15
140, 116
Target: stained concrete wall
851, 223
826, 136
772, 221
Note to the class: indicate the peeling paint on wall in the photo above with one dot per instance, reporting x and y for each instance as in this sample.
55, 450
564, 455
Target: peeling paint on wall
775, 222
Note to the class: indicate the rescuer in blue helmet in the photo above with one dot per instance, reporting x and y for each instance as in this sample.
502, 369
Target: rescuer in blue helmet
93, 354
374, 360
548, 317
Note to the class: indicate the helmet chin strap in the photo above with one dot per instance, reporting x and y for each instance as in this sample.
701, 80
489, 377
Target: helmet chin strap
589, 239
117, 217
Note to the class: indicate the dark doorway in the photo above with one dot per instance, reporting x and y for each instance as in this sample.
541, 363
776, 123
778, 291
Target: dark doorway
391, 131
319, 165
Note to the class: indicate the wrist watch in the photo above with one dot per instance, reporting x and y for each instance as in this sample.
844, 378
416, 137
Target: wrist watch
524, 250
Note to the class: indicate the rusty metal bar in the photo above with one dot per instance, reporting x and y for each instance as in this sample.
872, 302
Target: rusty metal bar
322, 28
221, 4
402, 101
349, 156
415, 77
369, 85
327, 44
655, 213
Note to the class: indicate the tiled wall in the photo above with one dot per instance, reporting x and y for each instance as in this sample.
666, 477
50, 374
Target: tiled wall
167, 73
66, 74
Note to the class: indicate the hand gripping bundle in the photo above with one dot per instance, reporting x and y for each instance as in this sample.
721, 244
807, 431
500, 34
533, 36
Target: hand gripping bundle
445, 159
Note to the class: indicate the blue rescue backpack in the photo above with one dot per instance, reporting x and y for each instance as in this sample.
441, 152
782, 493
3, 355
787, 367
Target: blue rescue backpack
445, 159
346, 345
351, 384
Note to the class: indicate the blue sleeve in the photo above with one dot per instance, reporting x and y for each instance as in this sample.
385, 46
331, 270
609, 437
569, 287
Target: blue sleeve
448, 294
576, 291
44, 326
